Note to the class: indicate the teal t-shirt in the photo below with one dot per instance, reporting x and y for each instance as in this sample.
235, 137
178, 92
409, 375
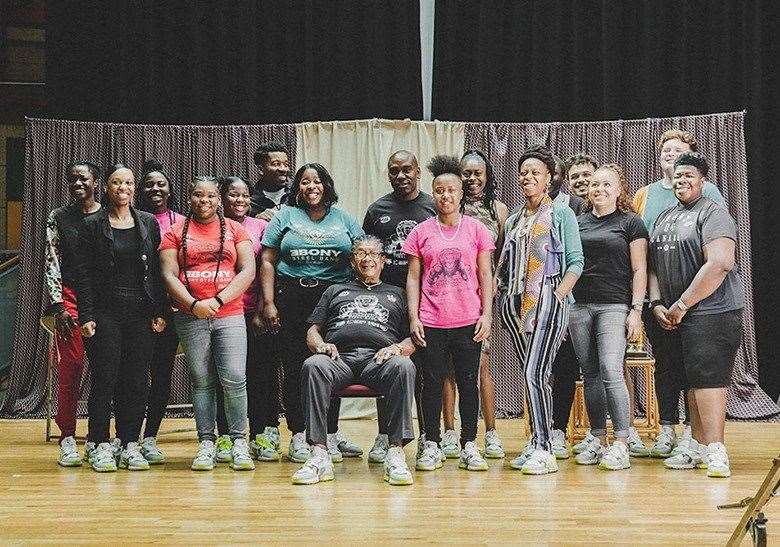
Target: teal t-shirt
659, 199
306, 248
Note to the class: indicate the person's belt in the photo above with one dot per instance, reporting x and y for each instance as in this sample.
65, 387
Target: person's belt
305, 282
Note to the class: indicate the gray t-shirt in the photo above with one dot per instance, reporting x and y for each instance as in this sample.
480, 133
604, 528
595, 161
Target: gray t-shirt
677, 254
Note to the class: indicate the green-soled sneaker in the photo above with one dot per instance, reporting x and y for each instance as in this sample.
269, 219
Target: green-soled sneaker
101, 459
224, 449
263, 449
204, 459
69, 454
240, 458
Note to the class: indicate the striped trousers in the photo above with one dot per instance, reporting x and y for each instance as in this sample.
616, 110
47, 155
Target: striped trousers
536, 352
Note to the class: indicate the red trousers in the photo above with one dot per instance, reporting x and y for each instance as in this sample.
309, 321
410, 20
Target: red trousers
70, 365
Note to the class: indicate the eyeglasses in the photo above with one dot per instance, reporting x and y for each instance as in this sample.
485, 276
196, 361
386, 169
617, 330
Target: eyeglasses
360, 255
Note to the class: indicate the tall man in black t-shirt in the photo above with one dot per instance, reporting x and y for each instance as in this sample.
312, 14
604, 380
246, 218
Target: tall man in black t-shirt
359, 334
273, 186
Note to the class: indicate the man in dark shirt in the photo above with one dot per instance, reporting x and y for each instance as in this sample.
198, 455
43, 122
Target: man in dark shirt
359, 334
273, 185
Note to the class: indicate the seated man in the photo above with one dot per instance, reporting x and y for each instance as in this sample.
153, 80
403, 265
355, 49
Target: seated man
359, 334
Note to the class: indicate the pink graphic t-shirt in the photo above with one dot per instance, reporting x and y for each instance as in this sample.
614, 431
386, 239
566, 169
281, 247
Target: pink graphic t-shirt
450, 282
167, 219
255, 227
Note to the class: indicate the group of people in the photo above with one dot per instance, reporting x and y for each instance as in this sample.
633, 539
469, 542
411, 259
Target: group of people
268, 275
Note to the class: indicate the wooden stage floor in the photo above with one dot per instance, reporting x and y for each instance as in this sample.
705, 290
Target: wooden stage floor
41, 502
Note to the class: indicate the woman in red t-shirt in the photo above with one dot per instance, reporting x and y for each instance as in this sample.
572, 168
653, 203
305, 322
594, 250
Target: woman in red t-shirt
207, 263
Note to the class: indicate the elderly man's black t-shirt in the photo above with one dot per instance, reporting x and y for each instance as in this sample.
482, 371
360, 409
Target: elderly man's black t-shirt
354, 316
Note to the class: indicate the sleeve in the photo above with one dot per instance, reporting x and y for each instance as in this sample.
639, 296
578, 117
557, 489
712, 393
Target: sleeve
239, 233
53, 272
711, 191
716, 224
640, 201
85, 282
411, 244
636, 229
169, 240
158, 288
484, 239
319, 314
575, 259
354, 229
274, 232
368, 221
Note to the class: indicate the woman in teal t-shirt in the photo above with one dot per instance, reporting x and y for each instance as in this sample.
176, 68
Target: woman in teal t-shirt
306, 248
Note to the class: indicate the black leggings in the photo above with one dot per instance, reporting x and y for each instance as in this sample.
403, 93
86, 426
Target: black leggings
161, 370
565, 372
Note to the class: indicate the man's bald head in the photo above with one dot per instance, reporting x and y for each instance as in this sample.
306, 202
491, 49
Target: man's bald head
403, 171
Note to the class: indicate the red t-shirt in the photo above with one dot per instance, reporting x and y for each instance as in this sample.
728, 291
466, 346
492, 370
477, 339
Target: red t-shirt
199, 267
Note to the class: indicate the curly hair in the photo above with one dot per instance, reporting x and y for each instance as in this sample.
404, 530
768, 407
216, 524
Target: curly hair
329, 196
264, 151
489, 199
93, 169
541, 153
694, 159
443, 164
685, 136
624, 200
579, 158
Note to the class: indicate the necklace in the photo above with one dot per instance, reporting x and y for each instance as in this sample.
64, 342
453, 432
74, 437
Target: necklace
371, 286
457, 231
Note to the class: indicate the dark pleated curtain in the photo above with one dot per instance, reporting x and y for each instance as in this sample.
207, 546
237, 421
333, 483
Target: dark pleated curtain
185, 151
632, 145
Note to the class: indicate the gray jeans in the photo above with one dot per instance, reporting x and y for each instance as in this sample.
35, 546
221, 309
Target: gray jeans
321, 377
598, 332
216, 355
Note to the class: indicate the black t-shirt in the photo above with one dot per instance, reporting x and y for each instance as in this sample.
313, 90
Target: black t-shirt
606, 276
354, 316
127, 255
391, 220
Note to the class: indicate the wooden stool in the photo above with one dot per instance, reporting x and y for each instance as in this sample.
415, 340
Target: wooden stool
649, 426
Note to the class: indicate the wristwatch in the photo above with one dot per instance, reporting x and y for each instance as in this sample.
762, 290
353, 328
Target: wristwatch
654, 303
637, 306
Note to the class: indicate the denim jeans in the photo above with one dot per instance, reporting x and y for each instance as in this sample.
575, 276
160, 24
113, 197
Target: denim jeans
598, 332
216, 349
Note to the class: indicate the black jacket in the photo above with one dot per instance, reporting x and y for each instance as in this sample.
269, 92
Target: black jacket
97, 269
259, 202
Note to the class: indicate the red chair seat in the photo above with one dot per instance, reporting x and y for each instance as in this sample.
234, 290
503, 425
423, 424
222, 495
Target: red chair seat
358, 390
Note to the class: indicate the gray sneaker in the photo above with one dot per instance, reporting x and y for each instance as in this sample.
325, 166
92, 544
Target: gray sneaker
116, 448
583, 444
240, 458
559, 447
299, 450
224, 449
333, 448
132, 459
262, 448
69, 454
664, 443
524, 456
89, 446
449, 444
378, 452
431, 457
151, 452
471, 459
272, 434
636, 448
101, 458
347, 448
592, 454
690, 458
615, 458
493, 447
204, 458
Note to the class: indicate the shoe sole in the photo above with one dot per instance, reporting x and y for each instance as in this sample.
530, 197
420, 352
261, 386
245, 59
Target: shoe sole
134, 468
494, 455
434, 468
562, 456
607, 468
307, 482
349, 454
104, 470
297, 460
638, 454
543, 472
585, 463
718, 475
680, 467
243, 467
277, 458
452, 456
373, 459
469, 468
202, 468
660, 455
70, 464
396, 482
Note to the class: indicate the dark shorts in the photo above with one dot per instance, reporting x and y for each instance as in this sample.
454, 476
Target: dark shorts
705, 346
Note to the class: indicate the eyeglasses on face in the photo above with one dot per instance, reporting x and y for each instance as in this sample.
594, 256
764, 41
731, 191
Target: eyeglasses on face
360, 255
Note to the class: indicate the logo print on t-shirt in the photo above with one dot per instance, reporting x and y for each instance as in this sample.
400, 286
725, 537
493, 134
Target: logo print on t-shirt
384, 219
449, 269
314, 236
364, 308
393, 247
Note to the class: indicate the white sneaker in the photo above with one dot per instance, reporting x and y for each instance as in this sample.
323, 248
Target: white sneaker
493, 447
204, 458
272, 433
102, 459
583, 444
151, 452
450, 444
264, 447
69, 454
240, 458
299, 450
347, 448
615, 457
541, 462
664, 443
431, 457
683, 441
378, 452
131, 458
471, 459
519, 461
333, 448
224, 449
592, 454
717, 461
690, 458
89, 446
318, 468
116, 448
397, 472
559, 446
636, 448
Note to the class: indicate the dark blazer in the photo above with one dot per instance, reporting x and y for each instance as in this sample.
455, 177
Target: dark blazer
97, 268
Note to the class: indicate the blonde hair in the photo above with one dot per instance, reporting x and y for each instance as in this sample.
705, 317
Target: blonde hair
679, 134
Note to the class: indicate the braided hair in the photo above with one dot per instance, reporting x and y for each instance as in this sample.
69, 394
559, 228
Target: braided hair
222, 231
489, 199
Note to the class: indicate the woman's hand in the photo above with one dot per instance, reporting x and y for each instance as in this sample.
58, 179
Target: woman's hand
417, 332
561, 299
258, 325
64, 324
482, 328
88, 329
661, 315
271, 318
328, 349
386, 353
633, 325
203, 309
158, 324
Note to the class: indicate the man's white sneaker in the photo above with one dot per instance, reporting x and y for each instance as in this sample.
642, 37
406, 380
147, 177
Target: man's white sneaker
431, 457
493, 447
131, 458
559, 446
378, 452
347, 448
636, 447
718, 465
116, 448
333, 448
397, 472
690, 458
683, 441
583, 444
615, 458
450, 444
299, 450
204, 458
471, 459
318, 468
241, 460
664, 443
519, 461
102, 459
541, 462
592, 454
69, 454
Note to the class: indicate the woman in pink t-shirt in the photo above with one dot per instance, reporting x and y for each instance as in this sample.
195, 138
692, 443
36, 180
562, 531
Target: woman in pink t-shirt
450, 295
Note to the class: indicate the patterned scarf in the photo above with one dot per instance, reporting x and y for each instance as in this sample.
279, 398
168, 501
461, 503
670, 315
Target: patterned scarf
538, 244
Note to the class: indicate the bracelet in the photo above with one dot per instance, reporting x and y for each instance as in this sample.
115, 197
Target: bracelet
218, 299
637, 306
192, 306
655, 303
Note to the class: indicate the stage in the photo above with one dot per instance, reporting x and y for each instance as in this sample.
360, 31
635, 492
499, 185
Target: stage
42, 502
